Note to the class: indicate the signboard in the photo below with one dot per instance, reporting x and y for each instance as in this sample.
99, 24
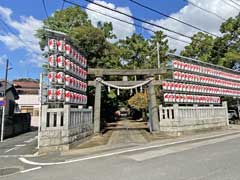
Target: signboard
2, 103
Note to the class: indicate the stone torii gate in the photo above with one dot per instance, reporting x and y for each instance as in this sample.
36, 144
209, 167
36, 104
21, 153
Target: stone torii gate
150, 73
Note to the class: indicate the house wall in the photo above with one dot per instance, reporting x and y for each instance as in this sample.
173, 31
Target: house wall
29, 103
9, 96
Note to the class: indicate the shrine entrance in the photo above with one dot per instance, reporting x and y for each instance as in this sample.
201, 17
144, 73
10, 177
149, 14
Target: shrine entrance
146, 84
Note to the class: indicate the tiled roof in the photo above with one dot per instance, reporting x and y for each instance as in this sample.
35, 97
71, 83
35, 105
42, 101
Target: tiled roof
26, 84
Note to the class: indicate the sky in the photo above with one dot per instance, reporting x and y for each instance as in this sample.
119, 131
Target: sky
19, 21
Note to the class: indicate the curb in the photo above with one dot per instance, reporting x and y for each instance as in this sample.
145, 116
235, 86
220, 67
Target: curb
22, 159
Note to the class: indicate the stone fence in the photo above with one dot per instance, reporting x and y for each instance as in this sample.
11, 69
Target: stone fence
177, 120
62, 126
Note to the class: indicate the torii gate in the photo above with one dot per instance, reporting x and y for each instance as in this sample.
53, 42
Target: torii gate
150, 73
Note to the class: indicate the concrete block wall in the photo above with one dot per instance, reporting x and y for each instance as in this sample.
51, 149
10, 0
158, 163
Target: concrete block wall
62, 126
178, 120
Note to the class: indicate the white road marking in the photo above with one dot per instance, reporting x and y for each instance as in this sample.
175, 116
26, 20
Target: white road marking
32, 169
30, 140
20, 145
10, 149
17, 156
124, 151
174, 149
15, 148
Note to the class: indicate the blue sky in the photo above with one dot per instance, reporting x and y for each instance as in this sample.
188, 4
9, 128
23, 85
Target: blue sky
23, 17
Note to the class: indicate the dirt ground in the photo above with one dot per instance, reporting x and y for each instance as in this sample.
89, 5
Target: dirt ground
124, 131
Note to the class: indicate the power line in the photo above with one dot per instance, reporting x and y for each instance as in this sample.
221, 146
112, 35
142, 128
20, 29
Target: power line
144, 21
205, 10
73, 3
127, 22
235, 3
171, 17
230, 5
138, 19
45, 8
63, 3
15, 35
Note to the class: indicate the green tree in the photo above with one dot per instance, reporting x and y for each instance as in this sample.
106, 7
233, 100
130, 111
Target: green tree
231, 38
223, 50
92, 41
200, 48
134, 50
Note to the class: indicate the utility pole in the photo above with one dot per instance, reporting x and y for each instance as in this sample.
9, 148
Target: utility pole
40, 106
158, 58
4, 107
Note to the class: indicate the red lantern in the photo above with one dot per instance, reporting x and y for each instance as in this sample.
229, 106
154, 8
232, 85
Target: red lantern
52, 94
52, 44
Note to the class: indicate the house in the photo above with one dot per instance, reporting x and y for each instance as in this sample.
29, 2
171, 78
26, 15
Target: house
28, 91
11, 97
14, 123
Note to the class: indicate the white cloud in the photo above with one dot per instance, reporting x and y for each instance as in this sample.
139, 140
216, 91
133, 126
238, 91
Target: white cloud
3, 59
120, 29
21, 34
196, 17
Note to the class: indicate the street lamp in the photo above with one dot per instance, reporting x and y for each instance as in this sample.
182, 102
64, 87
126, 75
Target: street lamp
4, 96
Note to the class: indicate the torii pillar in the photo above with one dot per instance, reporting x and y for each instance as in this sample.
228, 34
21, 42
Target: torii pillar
153, 106
97, 106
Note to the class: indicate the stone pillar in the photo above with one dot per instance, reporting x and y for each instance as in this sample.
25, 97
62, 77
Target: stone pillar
44, 117
97, 107
224, 104
153, 107
176, 113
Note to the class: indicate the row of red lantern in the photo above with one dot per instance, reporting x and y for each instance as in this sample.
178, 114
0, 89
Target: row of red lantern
183, 98
67, 49
202, 79
200, 69
61, 78
174, 86
66, 96
61, 62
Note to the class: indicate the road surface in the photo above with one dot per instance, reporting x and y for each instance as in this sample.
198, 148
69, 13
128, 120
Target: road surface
215, 159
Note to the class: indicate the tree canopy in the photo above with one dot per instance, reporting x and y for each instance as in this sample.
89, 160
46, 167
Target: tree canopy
223, 50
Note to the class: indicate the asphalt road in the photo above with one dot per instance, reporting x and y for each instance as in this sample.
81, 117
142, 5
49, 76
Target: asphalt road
215, 159
19, 145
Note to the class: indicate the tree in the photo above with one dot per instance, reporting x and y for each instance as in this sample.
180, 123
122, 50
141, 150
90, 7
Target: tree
161, 39
231, 39
92, 41
140, 102
223, 50
200, 48
134, 50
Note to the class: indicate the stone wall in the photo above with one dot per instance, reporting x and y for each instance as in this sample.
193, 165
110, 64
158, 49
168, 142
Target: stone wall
177, 120
62, 126
16, 124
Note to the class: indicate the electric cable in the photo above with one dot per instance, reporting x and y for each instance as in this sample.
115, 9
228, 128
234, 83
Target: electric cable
205, 10
45, 8
171, 17
230, 5
76, 4
235, 3
127, 22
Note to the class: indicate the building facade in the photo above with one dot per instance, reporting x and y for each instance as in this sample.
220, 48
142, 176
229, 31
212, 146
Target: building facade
28, 91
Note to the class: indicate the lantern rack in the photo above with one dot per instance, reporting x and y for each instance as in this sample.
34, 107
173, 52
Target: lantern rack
194, 93
200, 83
203, 74
55, 69
201, 63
